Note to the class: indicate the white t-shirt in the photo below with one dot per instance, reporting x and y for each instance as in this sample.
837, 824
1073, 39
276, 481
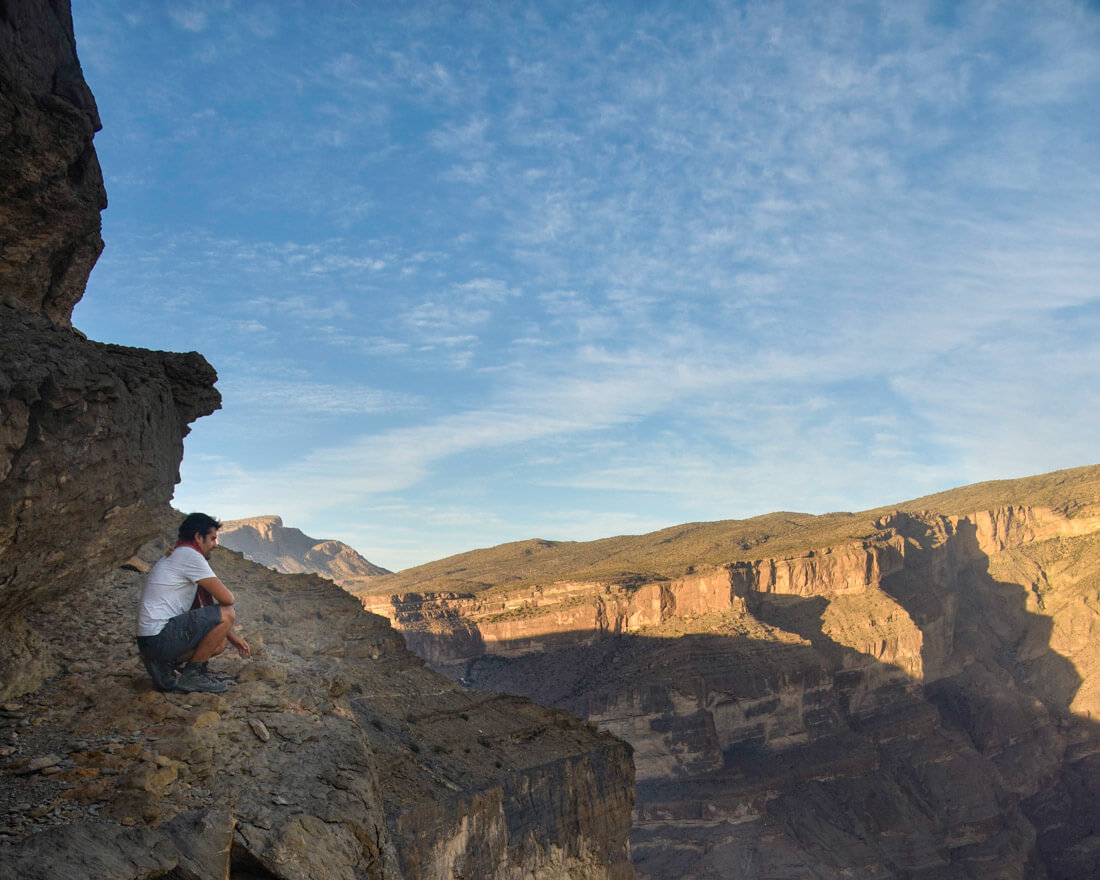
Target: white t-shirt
170, 588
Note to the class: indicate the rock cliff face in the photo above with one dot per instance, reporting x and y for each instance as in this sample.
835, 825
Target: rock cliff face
920, 700
264, 539
90, 434
336, 753
50, 183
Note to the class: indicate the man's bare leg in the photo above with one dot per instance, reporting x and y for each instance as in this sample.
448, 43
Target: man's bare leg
214, 642
194, 676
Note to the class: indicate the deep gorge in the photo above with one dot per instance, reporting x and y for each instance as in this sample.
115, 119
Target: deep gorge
918, 702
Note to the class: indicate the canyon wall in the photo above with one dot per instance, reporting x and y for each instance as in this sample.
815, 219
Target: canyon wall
918, 702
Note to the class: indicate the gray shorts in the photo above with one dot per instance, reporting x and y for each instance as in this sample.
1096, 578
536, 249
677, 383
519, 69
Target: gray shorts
180, 634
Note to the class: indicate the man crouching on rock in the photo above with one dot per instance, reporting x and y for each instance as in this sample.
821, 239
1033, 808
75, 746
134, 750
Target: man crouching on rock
174, 625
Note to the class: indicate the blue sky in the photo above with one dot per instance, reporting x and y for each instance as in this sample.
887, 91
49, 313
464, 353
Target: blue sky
478, 272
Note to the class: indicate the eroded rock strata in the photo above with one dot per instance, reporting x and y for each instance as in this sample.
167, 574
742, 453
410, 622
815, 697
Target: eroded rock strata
918, 698
336, 754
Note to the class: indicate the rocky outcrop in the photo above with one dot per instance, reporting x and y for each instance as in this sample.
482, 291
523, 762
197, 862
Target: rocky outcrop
51, 187
451, 629
336, 754
90, 434
919, 701
264, 539
90, 445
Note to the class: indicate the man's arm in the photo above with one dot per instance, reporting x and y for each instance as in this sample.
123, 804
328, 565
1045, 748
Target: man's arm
218, 590
221, 593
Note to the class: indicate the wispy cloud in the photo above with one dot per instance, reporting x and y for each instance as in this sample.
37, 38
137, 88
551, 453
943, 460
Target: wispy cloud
309, 399
466, 139
261, 21
190, 18
472, 173
673, 260
451, 317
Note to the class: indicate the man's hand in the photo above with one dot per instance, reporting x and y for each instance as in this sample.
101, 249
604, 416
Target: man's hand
240, 644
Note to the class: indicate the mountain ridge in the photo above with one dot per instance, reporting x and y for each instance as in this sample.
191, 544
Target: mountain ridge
678, 547
268, 541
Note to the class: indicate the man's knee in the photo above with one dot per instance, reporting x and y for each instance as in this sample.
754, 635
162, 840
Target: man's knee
228, 614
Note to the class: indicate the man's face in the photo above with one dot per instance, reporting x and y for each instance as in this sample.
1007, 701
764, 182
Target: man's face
207, 542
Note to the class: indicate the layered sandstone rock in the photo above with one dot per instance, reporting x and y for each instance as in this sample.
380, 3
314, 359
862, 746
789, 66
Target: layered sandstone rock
915, 701
264, 539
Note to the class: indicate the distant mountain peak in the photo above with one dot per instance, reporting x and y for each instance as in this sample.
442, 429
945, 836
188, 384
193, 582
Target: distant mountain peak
266, 540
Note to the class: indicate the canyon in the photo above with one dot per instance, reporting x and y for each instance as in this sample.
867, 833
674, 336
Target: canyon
336, 752
911, 691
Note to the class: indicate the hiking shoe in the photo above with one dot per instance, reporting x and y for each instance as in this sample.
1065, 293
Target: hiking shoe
204, 668
193, 679
162, 674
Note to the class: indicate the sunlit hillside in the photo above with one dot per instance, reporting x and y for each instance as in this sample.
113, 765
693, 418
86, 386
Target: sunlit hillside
673, 551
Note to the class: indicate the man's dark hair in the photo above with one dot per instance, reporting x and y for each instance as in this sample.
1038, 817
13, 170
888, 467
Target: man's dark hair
195, 524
